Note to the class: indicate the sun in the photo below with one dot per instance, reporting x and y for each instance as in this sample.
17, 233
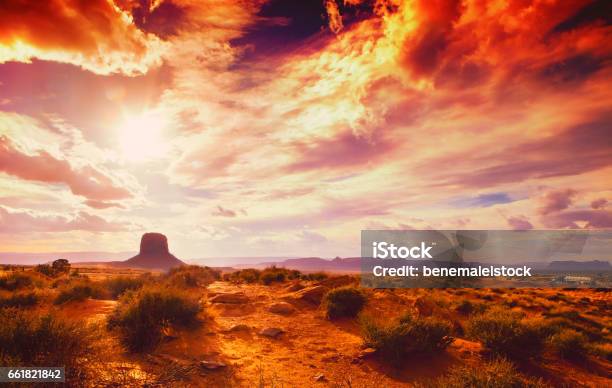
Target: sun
141, 138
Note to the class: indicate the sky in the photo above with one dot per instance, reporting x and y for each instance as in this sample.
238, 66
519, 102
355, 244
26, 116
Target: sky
284, 128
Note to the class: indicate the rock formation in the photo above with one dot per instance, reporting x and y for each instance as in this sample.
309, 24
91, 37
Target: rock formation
154, 254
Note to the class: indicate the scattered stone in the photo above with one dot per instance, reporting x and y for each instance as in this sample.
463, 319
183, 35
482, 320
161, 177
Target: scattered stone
366, 353
212, 365
239, 327
230, 298
333, 358
295, 287
271, 332
320, 377
312, 294
282, 308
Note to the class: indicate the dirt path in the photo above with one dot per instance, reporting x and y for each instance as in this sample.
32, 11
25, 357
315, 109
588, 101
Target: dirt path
311, 351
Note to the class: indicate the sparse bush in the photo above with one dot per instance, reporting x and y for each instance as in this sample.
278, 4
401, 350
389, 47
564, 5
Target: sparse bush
192, 276
60, 266
79, 291
118, 285
45, 269
507, 333
343, 302
314, 276
273, 274
249, 275
33, 340
15, 281
27, 299
467, 307
409, 335
141, 316
569, 344
498, 373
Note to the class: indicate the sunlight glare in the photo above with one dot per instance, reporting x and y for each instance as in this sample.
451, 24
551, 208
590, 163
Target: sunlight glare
141, 138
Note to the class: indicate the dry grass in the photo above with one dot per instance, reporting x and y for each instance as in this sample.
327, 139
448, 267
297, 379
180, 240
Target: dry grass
343, 302
141, 316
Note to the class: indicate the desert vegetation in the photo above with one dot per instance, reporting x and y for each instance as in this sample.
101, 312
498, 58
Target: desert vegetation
196, 326
408, 335
271, 275
33, 339
142, 316
343, 302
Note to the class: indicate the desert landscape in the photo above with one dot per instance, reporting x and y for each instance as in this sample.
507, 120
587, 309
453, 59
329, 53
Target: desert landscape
186, 326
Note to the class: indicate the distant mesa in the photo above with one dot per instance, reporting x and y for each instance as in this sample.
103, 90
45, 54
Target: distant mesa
154, 254
593, 265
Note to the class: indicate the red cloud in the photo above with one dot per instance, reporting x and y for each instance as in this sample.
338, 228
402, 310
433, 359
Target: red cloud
556, 201
43, 167
93, 34
25, 222
520, 223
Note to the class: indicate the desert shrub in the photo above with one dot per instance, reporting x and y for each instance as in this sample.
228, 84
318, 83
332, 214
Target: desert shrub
30, 339
409, 335
249, 275
60, 266
15, 281
142, 316
467, 307
274, 274
507, 333
79, 291
118, 285
343, 302
603, 350
498, 373
27, 299
314, 276
569, 344
45, 269
192, 276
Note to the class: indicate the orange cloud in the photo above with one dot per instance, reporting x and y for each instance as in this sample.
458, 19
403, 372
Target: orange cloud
95, 35
18, 221
43, 167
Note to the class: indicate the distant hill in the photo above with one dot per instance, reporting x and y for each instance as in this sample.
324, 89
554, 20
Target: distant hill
593, 265
354, 264
311, 264
46, 257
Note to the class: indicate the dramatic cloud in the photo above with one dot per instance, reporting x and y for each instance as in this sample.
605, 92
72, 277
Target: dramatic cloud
19, 221
321, 118
555, 201
520, 223
43, 167
599, 203
95, 34
223, 212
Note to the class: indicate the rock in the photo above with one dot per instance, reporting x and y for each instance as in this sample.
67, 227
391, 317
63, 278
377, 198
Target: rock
212, 365
230, 298
239, 327
366, 353
295, 287
312, 294
271, 332
320, 377
282, 308
333, 358
154, 254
